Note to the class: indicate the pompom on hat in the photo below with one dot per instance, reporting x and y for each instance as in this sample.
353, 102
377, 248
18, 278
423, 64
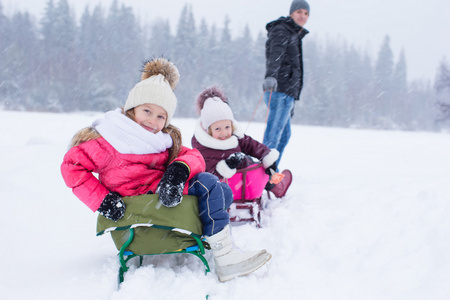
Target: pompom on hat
159, 78
212, 106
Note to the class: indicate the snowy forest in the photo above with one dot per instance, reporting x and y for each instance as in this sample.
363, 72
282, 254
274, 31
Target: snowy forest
61, 63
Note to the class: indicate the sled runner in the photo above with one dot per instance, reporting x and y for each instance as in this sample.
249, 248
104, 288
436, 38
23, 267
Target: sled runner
149, 228
247, 186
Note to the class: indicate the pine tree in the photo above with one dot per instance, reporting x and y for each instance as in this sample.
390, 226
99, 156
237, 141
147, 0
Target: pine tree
352, 86
92, 36
383, 84
443, 77
259, 70
124, 51
161, 40
59, 57
5, 35
225, 55
22, 69
186, 56
368, 101
242, 90
67, 57
330, 94
7, 87
48, 97
442, 86
212, 60
205, 61
400, 110
256, 74
96, 93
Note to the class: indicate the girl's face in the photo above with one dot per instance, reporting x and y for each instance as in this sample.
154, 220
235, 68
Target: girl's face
300, 16
221, 130
151, 117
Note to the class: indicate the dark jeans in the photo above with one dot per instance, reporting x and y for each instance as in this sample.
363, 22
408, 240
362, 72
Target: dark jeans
214, 199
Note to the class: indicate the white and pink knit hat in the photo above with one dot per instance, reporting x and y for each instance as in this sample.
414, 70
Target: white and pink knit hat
213, 106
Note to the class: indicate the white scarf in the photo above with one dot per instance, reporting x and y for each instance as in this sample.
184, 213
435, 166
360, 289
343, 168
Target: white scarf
128, 137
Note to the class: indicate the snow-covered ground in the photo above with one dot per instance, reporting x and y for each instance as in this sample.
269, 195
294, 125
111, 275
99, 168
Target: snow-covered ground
367, 217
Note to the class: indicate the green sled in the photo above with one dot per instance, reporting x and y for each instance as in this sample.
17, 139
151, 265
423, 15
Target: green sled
149, 228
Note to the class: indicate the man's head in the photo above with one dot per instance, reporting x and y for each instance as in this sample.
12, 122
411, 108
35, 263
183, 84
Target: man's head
299, 12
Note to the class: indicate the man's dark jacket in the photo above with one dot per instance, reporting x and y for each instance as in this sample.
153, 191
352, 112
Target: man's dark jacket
284, 59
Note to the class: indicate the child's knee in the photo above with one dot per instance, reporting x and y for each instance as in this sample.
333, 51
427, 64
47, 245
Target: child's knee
227, 194
207, 178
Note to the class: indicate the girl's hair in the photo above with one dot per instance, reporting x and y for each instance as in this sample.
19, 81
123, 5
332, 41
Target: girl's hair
89, 133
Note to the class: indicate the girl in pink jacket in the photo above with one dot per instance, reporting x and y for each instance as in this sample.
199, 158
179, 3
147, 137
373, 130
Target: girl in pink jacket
135, 151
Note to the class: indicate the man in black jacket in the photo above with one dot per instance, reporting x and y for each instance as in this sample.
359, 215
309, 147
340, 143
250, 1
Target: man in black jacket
284, 73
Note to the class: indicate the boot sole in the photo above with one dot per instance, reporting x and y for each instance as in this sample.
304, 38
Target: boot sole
235, 274
284, 184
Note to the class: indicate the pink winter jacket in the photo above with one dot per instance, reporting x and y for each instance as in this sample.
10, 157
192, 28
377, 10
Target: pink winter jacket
126, 174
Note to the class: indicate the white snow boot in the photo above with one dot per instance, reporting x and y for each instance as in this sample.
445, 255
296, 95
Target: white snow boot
231, 262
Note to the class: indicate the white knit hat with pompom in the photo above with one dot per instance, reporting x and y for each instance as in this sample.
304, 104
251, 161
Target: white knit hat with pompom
213, 107
158, 80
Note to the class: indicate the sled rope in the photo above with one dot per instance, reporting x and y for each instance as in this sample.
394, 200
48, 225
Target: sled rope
268, 105
268, 108
256, 108
254, 112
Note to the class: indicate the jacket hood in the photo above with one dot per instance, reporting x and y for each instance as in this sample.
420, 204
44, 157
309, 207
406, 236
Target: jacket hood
289, 24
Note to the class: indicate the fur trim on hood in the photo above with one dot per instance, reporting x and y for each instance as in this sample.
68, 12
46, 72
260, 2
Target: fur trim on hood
84, 135
208, 141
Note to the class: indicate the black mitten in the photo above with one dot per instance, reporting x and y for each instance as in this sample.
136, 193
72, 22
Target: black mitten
271, 168
172, 184
112, 207
234, 160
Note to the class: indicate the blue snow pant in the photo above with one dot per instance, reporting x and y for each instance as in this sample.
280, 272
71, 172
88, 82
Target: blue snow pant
278, 130
214, 199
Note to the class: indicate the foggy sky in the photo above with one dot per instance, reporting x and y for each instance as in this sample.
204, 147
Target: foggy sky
418, 27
